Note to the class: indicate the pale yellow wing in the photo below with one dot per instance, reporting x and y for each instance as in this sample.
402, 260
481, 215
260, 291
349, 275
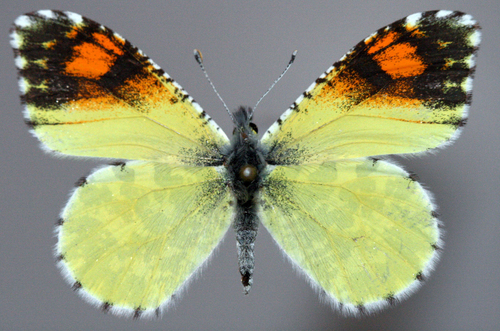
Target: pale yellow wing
132, 234
404, 89
364, 232
89, 92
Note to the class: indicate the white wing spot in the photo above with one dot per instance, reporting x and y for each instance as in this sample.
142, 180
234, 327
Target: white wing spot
157, 67
19, 62
443, 13
49, 14
177, 85
413, 19
299, 99
166, 75
23, 87
367, 39
468, 85
119, 36
471, 61
309, 89
76, 18
14, 40
475, 38
467, 20
197, 107
332, 67
23, 21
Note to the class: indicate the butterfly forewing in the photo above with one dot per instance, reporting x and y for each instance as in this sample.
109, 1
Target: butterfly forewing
404, 89
89, 92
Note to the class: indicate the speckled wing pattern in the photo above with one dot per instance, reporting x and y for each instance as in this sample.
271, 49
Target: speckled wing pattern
362, 230
134, 232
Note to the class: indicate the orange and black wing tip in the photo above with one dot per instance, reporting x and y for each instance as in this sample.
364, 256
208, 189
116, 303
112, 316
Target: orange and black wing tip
427, 58
67, 60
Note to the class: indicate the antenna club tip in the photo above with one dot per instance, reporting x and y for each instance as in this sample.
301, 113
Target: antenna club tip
198, 56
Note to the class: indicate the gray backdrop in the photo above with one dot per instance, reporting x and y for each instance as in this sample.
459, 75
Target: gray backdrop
246, 44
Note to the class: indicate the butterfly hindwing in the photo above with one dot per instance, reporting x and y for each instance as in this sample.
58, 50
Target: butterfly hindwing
132, 234
89, 92
362, 230
404, 89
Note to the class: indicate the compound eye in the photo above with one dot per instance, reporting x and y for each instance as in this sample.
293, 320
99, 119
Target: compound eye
253, 127
248, 173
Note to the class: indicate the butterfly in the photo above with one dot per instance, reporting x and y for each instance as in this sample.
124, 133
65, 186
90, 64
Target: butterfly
362, 230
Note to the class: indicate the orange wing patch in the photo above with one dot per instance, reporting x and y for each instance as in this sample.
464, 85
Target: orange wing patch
109, 44
400, 60
93, 60
383, 42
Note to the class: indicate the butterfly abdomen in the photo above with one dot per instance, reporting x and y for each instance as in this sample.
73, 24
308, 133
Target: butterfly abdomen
245, 161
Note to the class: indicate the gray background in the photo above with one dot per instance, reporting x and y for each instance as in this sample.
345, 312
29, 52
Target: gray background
246, 44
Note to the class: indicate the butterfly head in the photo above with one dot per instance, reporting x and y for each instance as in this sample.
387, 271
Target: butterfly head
244, 127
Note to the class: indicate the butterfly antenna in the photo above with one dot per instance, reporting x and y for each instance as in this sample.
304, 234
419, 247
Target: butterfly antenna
276, 81
199, 59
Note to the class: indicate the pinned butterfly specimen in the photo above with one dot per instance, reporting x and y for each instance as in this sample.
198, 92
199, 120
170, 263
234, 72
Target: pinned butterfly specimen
361, 229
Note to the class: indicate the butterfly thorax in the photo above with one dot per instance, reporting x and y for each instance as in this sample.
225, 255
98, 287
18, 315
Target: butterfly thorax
245, 162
